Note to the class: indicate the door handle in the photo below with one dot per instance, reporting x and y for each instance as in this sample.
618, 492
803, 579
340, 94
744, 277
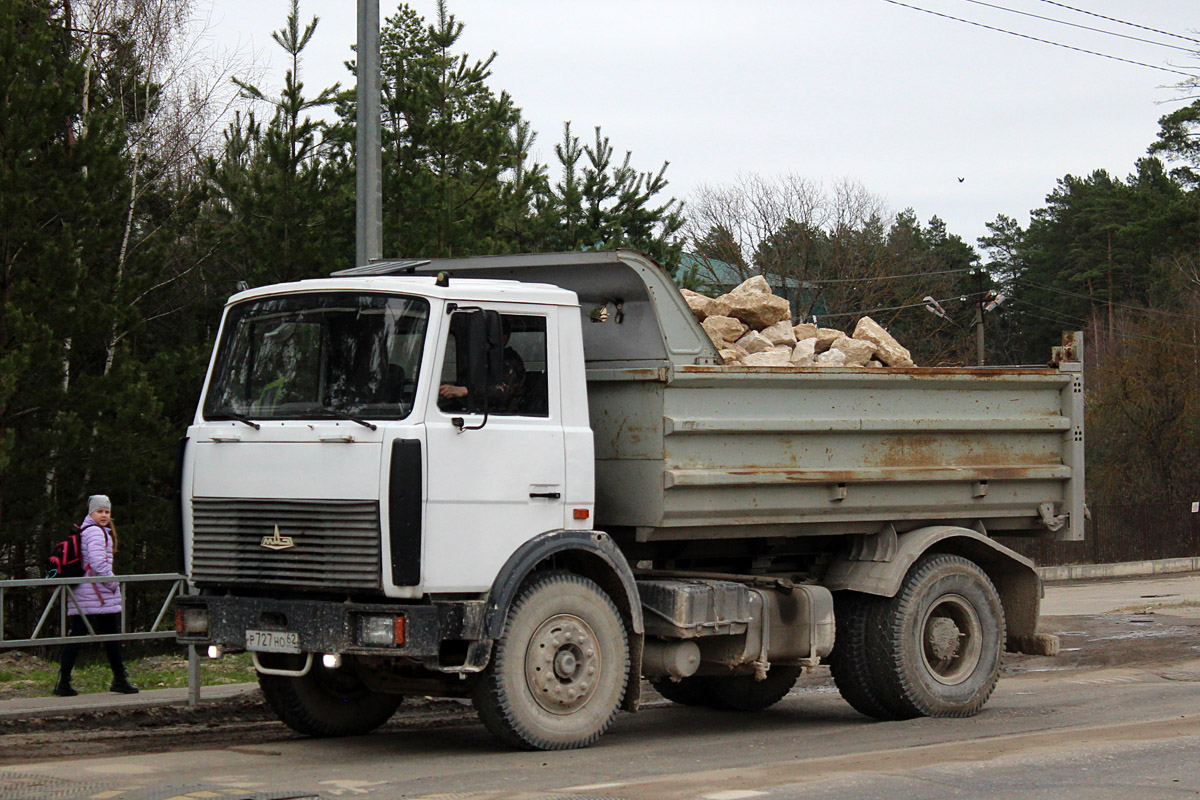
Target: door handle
546, 495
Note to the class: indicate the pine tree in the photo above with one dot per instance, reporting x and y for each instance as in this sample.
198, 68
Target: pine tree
276, 195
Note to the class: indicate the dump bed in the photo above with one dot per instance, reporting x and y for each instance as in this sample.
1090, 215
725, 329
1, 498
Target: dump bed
687, 448
735, 451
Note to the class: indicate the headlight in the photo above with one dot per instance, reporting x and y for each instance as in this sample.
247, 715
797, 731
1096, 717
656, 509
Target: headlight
381, 631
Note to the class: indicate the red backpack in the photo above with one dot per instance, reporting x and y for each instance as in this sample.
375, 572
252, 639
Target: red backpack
66, 557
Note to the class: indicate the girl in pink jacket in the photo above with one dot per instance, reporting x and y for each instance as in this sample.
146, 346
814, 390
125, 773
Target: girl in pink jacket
101, 602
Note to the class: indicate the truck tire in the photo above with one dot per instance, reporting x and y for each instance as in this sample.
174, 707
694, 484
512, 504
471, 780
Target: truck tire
559, 671
851, 664
327, 702
940, 639
744, 693
690, 691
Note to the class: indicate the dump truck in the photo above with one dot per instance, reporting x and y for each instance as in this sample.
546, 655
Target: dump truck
530, 481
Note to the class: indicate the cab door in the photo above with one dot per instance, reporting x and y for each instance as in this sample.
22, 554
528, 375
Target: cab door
496, 479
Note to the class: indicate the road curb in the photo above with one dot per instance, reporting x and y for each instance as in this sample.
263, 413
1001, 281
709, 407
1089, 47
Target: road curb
1122, 569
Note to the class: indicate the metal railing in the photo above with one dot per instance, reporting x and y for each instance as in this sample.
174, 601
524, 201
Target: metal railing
1115, 533
62, 599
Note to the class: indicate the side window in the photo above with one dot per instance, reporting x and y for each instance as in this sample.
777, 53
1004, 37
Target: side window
522, 388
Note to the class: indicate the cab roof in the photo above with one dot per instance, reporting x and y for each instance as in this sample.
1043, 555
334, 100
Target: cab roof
456, 289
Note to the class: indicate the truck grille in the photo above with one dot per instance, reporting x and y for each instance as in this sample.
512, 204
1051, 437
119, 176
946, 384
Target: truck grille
335, 544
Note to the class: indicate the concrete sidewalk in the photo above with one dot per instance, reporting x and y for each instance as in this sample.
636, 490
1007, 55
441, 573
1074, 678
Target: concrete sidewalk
1123, 569
1108, 587
27, 707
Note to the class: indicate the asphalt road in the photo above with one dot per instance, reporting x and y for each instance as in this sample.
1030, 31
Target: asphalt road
1055, 728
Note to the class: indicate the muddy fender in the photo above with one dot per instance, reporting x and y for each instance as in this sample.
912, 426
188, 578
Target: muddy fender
592, 554
1014, 576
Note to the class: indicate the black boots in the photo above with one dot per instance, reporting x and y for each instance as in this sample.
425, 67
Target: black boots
121, 685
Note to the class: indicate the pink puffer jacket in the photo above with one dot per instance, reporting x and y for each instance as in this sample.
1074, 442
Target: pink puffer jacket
96, 598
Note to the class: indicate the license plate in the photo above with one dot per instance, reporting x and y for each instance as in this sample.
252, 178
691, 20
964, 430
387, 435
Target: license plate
273, 641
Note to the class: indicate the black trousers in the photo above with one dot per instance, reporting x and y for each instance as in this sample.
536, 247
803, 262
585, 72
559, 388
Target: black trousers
101, 624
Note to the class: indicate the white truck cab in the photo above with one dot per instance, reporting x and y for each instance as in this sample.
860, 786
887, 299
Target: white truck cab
298, 364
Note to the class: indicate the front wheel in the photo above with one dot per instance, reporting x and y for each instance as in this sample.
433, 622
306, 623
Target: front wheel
939, 640
559, 671
327, 702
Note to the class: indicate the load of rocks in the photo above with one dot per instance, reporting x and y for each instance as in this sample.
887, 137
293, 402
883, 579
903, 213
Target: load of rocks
752, 326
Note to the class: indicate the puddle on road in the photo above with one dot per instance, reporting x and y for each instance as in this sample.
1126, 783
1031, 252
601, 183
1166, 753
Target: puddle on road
1175, 630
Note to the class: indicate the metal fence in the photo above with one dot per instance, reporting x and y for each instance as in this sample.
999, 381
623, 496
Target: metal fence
51, 626
1121, 533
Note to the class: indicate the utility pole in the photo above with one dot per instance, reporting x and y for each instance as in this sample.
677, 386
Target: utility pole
368, 166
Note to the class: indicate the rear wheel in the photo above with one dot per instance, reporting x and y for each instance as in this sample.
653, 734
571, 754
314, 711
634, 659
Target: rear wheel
559, 671
745, 693
940, 639
852, 664
327, 702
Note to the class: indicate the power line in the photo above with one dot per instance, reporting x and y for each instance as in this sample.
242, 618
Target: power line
1080, 27
1074, 320
957, 298
1121, 336
1061, 322
1120, 21
1113, 303
870, 310
891, 277
1043, 41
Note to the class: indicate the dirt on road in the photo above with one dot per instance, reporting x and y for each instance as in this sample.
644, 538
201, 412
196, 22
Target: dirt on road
1159, 640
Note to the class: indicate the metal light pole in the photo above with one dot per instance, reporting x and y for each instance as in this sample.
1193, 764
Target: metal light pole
981, 299
368, 166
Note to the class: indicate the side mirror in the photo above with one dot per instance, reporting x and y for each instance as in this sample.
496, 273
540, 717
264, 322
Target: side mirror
485, 358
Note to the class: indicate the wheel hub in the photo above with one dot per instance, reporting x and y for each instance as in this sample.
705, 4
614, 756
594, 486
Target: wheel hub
562, 664
943, 637
951, 639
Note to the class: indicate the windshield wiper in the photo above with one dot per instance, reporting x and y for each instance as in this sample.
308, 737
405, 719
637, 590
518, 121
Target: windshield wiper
225, 412
337, 412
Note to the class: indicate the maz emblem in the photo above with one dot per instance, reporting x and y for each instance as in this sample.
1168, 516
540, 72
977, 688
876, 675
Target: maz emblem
277, 542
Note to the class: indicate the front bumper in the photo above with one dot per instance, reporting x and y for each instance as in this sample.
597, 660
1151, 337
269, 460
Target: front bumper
330, 627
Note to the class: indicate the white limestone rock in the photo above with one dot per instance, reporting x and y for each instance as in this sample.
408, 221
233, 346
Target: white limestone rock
804, 330
757, 284
888, 350
698, 303
717, 307
858, 352
780, 334
722, 329
775, 357
804, 352
731, 356
755, 342
756, 309
830, 358
826, 337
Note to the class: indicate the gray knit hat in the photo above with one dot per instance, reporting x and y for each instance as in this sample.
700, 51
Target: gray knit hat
98, 501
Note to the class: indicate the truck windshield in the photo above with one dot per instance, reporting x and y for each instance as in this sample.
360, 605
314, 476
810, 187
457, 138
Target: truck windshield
308, 356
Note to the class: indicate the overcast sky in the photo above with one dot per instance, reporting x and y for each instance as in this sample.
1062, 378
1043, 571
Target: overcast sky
903, 101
